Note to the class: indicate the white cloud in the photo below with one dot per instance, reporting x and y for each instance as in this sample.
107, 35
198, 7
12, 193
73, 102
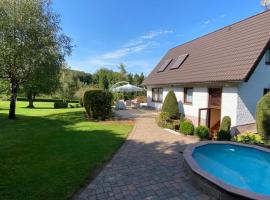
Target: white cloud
142, 42
127, 50
139, 66
111, 59
209, 21
154, 34
223, 15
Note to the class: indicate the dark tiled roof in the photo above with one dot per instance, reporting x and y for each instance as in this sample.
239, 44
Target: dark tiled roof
229, 54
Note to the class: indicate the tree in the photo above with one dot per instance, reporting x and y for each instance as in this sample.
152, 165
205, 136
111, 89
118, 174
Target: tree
44, 81
141, 78
122, 69
84, 78
69, 84
104, 83
29, 31
105, 78
138, 79
130, 78
3, 87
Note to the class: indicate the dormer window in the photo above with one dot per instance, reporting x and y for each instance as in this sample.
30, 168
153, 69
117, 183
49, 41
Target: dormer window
267, 56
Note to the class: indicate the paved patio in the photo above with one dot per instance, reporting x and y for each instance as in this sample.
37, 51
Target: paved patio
148, 166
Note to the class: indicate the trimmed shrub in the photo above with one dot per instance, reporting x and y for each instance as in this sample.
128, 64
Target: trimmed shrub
225, 124
263, 116
170, 105
164, 120
186, 127
164, 116
98, 104
250, 138
60, 105
202, 132
223, 135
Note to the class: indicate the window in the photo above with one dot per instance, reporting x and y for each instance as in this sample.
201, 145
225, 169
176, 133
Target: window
157, 94
267, 56
164, 65
188, 95
180, 60
266, 90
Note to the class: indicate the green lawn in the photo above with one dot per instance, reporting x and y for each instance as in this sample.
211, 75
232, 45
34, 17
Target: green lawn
49, 153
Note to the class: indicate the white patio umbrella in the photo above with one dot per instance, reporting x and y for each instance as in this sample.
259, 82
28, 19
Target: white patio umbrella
127, 88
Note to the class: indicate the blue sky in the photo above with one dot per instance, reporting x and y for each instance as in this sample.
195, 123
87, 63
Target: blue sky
139, 32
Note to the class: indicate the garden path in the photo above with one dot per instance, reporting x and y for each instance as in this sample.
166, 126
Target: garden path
148, 166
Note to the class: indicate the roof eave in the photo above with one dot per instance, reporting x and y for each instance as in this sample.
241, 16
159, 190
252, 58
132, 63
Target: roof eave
221, 82
256, 63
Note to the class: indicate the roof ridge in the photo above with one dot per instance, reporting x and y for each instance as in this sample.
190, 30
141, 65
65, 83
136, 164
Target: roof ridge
207, 34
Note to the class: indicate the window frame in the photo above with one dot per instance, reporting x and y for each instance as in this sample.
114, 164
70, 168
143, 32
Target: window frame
267, 56
159, 92
185, 95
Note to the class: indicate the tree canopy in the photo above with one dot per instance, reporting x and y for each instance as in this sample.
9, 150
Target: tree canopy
30, 35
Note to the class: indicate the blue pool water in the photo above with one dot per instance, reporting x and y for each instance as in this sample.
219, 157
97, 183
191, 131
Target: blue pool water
242, 167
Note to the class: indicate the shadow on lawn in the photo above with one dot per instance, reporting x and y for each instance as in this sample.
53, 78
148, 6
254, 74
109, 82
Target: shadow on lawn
53, 160
50, 157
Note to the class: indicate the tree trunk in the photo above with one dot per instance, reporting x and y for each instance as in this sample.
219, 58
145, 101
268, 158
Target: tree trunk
31, 98
12, 108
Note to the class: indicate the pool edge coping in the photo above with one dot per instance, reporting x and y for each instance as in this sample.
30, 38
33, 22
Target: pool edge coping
220, 184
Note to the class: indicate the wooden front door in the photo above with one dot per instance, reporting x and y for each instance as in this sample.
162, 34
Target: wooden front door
215, 109
215, 97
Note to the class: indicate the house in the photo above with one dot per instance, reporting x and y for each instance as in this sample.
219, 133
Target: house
223, 73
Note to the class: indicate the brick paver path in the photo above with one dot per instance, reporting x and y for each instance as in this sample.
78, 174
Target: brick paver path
148, 166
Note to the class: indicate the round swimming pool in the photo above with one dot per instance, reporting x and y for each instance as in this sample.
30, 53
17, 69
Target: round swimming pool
243, 170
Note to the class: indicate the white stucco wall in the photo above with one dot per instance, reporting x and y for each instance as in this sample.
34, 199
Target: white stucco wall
250, 92
200, 100
229, 103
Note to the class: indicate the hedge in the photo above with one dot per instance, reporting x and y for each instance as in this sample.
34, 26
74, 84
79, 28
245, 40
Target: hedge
48, 100
60, 105
170, 105
263, 116
98, 104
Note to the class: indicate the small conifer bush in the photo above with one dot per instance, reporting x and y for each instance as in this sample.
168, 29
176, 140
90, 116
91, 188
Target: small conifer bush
170, 105
263, 116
